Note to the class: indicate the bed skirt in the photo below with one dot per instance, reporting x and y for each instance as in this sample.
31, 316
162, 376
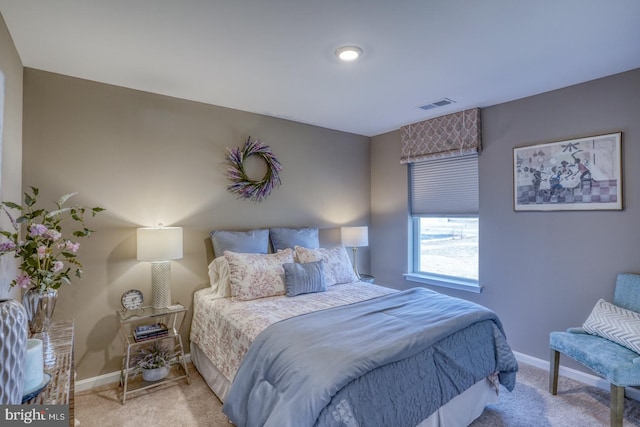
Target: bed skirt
461, 410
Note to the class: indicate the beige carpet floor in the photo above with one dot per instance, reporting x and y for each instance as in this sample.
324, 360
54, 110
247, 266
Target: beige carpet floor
179, 404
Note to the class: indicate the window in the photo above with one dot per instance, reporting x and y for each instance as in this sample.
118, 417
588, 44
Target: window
447, 246
444, 211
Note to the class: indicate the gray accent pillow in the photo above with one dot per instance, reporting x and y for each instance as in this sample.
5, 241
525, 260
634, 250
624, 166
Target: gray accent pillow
251, 242
304, 278
283, 238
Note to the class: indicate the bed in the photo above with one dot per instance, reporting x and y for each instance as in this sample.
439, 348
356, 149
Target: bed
292, 338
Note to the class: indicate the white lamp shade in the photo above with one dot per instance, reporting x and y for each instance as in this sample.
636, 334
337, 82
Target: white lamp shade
159, 244
355, 236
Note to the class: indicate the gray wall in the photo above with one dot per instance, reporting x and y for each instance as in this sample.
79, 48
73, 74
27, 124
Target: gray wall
10, 146
148, 158
541, 271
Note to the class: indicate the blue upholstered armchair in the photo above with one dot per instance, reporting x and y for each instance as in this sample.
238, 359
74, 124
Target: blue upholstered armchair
612, 357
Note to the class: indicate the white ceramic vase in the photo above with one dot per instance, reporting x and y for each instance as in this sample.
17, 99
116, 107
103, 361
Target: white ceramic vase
13, 349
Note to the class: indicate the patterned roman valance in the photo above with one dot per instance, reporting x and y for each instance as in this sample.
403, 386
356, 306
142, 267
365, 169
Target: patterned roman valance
456, 134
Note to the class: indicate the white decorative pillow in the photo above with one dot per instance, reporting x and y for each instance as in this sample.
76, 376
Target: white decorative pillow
257, 275
614, 323
337, 266
220, 277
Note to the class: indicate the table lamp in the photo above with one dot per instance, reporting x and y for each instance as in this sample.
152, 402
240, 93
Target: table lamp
355, 237
159, 245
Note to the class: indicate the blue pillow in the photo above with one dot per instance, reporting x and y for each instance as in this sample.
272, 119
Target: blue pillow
252, 242
304, 278
283, 238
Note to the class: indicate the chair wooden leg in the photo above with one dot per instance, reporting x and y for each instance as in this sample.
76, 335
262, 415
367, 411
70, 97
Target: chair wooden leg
554, 361
617, 405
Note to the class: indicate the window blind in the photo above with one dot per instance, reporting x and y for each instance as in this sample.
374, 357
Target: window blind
445, 186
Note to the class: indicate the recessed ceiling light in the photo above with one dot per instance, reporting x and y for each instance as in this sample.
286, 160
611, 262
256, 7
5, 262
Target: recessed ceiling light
348, 53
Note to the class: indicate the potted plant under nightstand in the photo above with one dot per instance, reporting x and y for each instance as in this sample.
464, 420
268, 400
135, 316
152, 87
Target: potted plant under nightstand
155, 361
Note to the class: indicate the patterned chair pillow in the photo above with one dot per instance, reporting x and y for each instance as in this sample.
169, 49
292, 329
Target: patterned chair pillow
614, 323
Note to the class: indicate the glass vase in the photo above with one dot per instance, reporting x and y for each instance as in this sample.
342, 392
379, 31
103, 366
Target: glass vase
39, 306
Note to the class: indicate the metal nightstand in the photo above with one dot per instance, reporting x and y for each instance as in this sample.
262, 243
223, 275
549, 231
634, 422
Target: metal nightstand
173, 317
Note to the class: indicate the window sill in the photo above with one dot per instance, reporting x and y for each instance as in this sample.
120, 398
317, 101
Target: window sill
445, 282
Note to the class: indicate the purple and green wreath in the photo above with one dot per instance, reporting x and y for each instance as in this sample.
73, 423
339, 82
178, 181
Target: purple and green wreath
243, 186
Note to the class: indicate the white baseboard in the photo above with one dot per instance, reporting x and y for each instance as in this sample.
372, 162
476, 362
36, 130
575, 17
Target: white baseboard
105, 379
583, 377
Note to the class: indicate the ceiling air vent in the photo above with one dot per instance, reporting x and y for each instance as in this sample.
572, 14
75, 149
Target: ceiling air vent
440, 103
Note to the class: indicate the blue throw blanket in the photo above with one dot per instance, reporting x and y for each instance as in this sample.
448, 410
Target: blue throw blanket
295, 367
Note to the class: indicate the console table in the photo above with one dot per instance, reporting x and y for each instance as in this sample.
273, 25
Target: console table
57, 346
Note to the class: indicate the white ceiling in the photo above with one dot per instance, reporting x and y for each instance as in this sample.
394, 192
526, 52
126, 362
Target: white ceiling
276, 57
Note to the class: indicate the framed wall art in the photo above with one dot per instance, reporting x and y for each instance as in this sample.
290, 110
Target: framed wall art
576, 174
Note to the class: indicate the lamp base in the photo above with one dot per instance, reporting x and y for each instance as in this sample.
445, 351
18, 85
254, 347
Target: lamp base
161, 284
355, 263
